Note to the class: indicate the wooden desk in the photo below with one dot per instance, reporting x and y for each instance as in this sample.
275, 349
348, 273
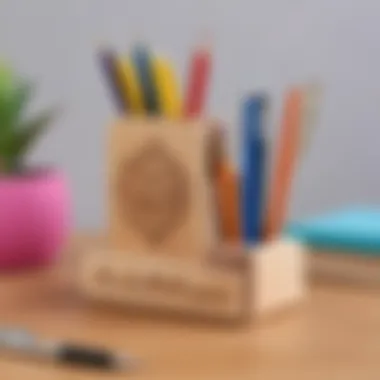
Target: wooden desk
335, 335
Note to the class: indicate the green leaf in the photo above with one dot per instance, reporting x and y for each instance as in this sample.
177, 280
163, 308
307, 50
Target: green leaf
16, 134
7, 85
28, 132
13, 104
6, 78
22, 94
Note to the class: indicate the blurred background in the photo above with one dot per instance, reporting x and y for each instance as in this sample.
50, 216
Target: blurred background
258, 45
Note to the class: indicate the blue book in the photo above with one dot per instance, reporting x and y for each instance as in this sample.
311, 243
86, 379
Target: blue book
252, 169
355, 230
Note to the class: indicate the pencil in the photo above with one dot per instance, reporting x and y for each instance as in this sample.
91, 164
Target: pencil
225, 187
198, 82
228, 195
167, 88
106, 58
143, 61
285, 160
130, 85
252, 168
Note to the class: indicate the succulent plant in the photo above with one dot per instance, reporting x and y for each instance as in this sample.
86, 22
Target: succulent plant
18, 131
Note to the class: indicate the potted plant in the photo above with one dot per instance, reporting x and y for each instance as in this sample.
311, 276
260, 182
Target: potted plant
33, 201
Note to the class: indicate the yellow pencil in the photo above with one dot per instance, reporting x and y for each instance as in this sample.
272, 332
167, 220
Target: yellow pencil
130, 86
167, 86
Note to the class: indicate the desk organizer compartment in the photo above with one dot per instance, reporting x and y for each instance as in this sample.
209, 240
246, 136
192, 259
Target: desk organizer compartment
241, 288
164, 252
159, 186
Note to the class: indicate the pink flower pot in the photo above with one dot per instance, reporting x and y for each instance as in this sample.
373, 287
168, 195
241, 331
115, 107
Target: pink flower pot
34, 218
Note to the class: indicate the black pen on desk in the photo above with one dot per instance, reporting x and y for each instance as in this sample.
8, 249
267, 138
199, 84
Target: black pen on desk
27, 345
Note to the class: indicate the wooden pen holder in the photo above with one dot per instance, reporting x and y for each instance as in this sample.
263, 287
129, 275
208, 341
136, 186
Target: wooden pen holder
164, 252
159, 186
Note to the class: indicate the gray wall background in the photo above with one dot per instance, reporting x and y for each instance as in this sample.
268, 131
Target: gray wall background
262, 44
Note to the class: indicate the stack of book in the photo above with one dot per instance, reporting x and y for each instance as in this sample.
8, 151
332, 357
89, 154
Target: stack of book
344, 245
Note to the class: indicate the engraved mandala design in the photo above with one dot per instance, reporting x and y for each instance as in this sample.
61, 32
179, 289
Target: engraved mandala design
153, 190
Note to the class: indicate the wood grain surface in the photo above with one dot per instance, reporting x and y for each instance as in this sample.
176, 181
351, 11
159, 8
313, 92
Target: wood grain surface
334, 335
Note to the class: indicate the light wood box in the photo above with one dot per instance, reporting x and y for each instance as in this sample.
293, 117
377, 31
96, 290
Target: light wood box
159, 186
240, 288
163, 249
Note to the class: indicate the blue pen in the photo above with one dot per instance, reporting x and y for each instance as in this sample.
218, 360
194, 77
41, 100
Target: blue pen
252, 170
142, 59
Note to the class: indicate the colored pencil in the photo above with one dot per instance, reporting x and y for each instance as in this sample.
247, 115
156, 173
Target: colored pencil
285, 160
252, 171
106, 58
167, 86
143, 61
228, 195
130, 85
198, 82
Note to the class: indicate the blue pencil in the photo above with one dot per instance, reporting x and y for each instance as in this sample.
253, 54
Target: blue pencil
252, 169
142, 59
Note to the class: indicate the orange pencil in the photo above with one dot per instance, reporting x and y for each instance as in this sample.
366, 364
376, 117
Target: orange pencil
228, 196
287, 150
